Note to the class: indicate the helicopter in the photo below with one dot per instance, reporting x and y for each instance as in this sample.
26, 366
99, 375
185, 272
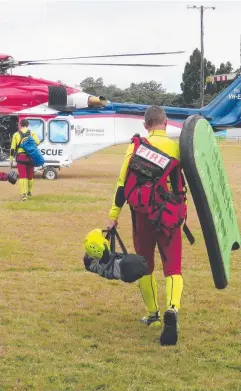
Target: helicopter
71, 124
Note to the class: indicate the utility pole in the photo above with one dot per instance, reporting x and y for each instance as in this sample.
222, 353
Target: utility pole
201, 9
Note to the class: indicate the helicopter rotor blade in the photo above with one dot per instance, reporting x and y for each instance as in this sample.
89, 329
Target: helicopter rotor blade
104, 56
96, 64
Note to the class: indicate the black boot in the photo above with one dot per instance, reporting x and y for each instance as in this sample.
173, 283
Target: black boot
169, 334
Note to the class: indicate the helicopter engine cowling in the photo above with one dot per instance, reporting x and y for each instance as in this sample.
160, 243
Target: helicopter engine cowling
60, 100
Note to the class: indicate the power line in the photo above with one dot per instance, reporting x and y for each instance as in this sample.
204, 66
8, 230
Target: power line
201, 9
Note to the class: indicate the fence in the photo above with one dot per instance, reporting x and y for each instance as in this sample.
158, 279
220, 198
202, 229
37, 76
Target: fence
228, 139
222, 139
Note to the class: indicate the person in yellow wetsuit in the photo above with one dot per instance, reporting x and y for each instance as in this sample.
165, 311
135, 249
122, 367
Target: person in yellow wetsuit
24, 166
145, 237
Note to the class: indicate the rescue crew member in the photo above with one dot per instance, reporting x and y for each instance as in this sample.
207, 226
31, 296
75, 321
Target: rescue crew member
24, 166
145, 237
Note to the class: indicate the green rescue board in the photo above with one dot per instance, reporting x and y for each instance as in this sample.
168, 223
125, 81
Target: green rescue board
207, 179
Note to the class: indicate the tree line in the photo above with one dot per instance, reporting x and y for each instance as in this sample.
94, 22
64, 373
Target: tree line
153, 92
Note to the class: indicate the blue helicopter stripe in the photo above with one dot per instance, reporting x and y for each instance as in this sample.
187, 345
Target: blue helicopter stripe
222, 112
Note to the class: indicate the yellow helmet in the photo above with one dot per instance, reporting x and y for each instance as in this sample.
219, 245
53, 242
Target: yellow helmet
96, 244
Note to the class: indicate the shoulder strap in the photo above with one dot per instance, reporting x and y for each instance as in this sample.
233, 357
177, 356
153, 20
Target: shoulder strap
188, 233
138, 140
22, 135
28, 133
135, 138
175, 179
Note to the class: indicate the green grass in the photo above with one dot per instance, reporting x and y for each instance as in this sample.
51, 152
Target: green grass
63, 329
69, 198
35, 207
55, 203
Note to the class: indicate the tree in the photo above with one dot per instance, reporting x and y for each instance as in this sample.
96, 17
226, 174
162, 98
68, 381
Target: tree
190, 85
177, 100
224, 68
143, 93
91, 86
217, 87
152, 92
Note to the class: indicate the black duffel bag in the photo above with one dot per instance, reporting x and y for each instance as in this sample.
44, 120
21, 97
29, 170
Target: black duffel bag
117, 266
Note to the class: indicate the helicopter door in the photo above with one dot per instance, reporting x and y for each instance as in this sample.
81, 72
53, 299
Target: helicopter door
59, 137
8, 126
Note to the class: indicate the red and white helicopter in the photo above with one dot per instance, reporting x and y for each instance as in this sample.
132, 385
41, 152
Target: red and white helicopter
72, 124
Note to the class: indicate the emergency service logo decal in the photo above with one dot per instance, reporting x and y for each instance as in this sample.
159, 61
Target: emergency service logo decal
80, 131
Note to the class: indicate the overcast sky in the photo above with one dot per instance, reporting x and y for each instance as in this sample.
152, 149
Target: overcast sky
47, 29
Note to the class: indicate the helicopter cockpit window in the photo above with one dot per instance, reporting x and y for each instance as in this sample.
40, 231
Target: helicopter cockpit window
58, 131
37, 126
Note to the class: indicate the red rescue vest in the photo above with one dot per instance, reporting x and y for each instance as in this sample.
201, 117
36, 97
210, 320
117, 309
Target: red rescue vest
146, 187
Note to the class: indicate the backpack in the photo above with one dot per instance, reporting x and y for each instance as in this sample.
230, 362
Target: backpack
146, 188
28, 144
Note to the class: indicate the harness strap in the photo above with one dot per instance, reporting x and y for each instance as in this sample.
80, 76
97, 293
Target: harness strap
158, 216
139, 198
188, 233
170, 196
162, 252
186, 230
131, 191
152, 200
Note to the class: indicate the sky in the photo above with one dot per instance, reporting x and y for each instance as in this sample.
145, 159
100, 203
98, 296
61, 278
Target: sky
51, 29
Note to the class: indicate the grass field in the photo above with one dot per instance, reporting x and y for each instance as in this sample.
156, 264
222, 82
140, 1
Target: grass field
62, 329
